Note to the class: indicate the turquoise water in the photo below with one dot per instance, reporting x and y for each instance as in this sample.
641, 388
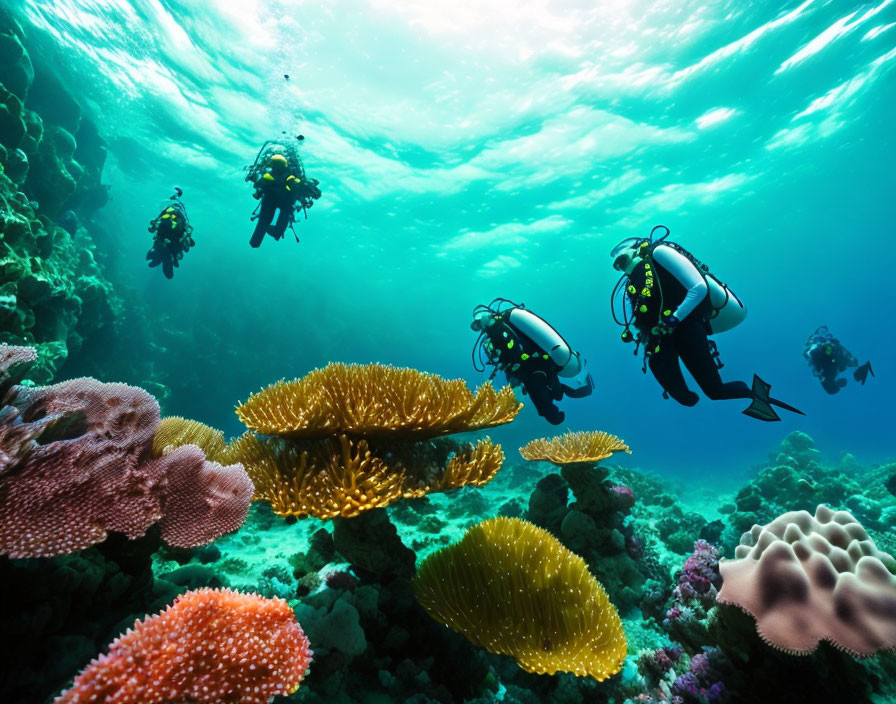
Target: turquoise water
466, 153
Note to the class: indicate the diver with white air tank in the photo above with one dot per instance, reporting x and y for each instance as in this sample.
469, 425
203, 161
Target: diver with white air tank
671, 304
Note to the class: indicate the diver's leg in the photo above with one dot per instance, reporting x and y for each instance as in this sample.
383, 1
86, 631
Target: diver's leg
667, 371
278, 230
539, 391
693, 346
265, 215
167, 264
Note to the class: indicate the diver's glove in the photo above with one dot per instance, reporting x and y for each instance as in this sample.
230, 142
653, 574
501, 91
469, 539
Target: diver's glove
667, 324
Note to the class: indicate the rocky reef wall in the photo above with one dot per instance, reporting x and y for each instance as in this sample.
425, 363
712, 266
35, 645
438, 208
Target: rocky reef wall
54, 292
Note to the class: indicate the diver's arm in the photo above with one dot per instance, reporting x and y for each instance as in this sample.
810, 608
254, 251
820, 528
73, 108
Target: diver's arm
682, 269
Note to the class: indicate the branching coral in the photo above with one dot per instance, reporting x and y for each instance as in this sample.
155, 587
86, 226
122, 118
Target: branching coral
342, 476
571, 448
375, 400
173, 432
809, 578
211, 645
512, 588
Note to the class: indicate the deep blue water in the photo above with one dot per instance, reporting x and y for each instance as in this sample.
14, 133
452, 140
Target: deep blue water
466, 153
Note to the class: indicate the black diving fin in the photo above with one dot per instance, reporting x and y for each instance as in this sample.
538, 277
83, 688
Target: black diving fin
761, 408
861, 374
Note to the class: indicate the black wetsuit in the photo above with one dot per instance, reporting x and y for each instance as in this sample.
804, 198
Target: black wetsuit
526, 364
688, 342
827, 358
171, 239
277, 192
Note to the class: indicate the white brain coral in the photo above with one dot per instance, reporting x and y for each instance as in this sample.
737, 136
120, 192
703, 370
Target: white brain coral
810, 578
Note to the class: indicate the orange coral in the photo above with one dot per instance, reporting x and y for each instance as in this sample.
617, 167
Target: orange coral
513, 589
375, 400
174, 432
341, 476
569, 448
210, 645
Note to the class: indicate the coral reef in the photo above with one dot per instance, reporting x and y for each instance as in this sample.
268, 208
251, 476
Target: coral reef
809, 578
77, 465
174, 431
342, 477
512, 588
55, 294
258, 647
589, 447
375, 400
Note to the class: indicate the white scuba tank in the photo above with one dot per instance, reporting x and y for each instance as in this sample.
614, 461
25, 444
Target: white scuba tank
571, 363
729, 309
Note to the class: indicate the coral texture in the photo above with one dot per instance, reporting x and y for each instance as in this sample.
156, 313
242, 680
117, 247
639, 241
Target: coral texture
568, 448
809, 578
76, 461
175, 431
512, 588
375, 400
340, 476
209, 646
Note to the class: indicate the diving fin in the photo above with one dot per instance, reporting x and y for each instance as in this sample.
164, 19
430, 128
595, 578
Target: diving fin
861, 374
761, 408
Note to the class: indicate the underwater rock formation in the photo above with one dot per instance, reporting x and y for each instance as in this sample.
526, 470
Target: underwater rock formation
810, 578
54, 294
593, 525
512, 588
258, 646
77, 464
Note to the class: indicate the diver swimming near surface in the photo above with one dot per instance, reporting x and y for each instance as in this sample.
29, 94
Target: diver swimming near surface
172, 235
531, 354
674, 303
280, 185
828, 357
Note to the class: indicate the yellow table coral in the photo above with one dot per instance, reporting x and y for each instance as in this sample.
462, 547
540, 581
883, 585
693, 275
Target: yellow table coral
590, 447
513, 589
375, 400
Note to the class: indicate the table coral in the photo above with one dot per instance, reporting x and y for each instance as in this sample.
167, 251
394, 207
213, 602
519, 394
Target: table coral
590, 447
209, 646
512, 588
375, 400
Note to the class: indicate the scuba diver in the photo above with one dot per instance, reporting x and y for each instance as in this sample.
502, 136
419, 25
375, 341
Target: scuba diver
172, 235
531, 354
827, 357
674, 303
280, 185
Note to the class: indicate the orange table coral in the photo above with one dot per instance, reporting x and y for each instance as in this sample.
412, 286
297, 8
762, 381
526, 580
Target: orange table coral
341, 476
570, 448
209, 646
375, 400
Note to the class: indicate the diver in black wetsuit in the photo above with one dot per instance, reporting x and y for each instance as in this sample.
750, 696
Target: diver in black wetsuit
532, 355
281, 186
828, 357
172, 235
672, 312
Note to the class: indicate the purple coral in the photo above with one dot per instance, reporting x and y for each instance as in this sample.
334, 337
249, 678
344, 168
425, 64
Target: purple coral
76, 463
623, 497
699, 580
